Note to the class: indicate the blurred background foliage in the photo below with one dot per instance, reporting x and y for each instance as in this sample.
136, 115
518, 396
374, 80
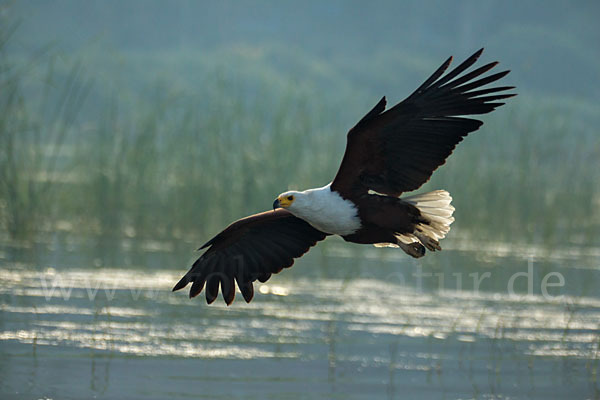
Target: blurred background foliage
137, 119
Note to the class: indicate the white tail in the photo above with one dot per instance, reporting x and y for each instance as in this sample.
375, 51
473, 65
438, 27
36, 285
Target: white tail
435, 207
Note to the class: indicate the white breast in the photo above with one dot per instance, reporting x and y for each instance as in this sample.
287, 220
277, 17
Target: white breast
327, 211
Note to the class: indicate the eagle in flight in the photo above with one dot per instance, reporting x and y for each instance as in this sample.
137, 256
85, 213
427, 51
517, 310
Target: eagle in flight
388, 152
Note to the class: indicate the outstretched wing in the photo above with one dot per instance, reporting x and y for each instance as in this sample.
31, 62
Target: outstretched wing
249, 249
397, 150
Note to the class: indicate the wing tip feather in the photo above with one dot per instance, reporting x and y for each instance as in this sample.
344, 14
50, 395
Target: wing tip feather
183, 282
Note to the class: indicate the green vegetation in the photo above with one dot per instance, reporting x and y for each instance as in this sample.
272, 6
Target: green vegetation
169, 159
31, 142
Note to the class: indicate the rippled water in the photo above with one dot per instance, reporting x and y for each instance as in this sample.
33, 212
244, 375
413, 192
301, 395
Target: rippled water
342, 323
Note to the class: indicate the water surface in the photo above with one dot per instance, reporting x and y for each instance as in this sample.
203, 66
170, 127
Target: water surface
342, 323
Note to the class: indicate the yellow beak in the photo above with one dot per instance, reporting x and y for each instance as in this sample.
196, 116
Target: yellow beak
281, 202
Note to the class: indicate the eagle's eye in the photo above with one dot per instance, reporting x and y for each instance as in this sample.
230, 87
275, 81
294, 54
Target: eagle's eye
290, 198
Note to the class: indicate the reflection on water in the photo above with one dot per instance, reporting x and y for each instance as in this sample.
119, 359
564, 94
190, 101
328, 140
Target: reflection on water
335, 325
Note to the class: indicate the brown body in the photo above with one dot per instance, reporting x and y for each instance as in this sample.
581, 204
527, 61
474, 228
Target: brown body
383, 217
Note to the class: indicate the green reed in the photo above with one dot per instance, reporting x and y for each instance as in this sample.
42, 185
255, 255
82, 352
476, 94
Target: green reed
32, 139
179, 163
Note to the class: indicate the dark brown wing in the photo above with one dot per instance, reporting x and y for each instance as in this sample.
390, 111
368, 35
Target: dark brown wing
249, 249
397, 150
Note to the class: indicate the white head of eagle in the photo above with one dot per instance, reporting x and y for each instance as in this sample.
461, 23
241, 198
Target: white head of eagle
323, 208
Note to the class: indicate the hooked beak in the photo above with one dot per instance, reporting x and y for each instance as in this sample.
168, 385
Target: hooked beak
276, 204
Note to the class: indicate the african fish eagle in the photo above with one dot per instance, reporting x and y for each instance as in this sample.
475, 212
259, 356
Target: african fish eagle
388, 152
